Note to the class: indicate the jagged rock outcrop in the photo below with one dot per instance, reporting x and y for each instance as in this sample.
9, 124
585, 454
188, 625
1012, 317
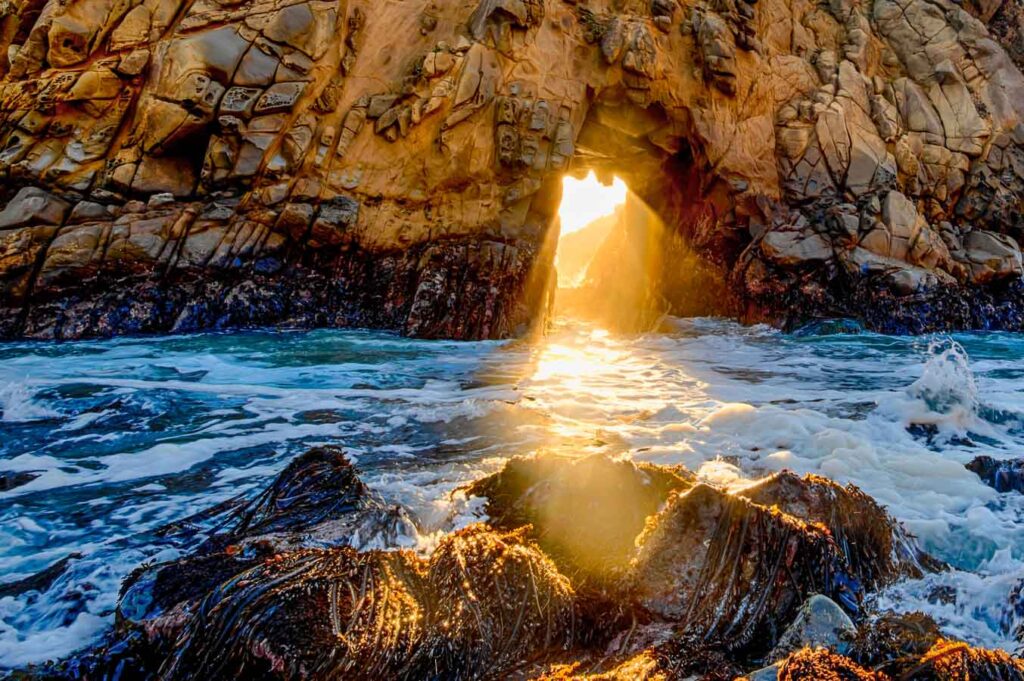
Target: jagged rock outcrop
174, 166
696, 581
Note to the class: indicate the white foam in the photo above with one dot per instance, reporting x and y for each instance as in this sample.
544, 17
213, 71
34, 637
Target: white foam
18, 404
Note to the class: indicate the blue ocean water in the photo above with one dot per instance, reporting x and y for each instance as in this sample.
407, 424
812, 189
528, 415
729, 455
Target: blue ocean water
122, 437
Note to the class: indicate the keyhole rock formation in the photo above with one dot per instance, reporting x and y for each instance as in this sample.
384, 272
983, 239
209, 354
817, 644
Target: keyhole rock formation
177, 165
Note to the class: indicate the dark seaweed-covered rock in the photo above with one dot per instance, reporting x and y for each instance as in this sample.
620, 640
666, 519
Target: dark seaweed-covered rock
493, 601
877, 549
822, 665
316, 613
1002, 476
692, 580
317, 500
483, 603
585, 513
731, 571
957, 661
894, 643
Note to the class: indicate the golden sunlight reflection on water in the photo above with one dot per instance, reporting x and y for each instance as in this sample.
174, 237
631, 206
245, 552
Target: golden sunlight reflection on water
608, 388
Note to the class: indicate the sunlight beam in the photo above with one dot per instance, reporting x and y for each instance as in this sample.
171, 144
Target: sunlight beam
586, 200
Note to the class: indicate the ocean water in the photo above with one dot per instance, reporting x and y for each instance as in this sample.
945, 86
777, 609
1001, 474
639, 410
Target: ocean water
126, 436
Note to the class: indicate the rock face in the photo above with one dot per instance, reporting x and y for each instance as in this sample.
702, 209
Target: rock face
174, 166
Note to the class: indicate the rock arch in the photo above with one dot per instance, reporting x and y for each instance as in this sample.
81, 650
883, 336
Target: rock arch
190, 164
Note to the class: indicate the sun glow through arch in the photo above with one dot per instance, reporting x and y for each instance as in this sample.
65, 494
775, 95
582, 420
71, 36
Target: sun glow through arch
586, 200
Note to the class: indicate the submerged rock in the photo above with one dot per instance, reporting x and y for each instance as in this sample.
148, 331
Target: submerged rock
40, 581
829, 327
13, 479
1002, 476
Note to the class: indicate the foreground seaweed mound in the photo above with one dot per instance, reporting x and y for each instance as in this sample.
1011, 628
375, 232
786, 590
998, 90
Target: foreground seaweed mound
695, 582
310, 614
877, 550
733, 572
484, 602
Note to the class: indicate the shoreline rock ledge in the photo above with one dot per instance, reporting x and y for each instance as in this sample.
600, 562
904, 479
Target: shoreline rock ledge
665, 578
173, 166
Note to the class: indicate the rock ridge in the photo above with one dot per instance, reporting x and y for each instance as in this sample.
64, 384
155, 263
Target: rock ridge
173, 165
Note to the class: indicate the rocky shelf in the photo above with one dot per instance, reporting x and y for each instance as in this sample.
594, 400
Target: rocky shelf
173, 165
587, 568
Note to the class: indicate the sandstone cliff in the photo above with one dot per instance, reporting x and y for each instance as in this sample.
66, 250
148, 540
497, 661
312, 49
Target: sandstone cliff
174, 165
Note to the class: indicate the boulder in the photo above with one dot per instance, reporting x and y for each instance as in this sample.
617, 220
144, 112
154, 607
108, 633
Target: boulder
819, 624
1002, 476
992, 256
876, 549
732, 571
33, 206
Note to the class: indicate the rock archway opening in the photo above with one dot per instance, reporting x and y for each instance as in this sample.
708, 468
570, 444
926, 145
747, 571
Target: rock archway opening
639, 216
608, 259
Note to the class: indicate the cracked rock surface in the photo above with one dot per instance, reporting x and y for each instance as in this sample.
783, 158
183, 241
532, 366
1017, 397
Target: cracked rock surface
178, 165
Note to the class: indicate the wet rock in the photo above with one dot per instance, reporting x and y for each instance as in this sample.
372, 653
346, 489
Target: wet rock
732, 571
829, 327
584, 513
1002, 476
894, 643
819, 624
876, 549
317, 500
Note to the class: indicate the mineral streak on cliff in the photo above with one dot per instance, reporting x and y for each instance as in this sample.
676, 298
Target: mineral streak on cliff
173, 165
